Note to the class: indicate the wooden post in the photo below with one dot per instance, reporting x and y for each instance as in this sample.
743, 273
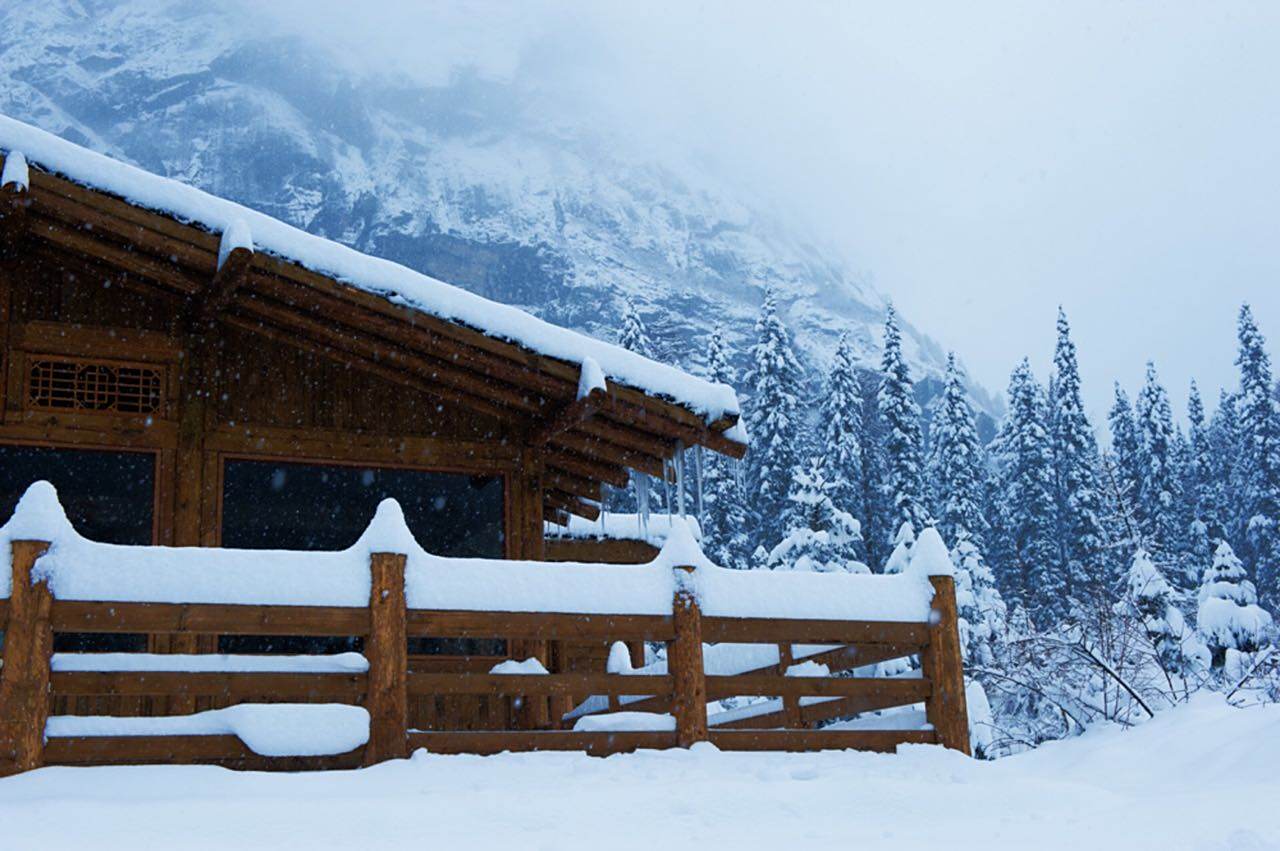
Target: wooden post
387, 650
684, 661
28, 652
943, 666
790, 703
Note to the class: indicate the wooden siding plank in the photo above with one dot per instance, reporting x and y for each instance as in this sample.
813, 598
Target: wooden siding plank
233, 686
82, 616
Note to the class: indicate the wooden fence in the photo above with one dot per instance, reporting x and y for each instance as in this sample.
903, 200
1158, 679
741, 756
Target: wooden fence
29, 686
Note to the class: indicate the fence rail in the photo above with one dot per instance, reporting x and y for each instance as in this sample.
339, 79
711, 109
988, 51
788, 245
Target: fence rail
29, 684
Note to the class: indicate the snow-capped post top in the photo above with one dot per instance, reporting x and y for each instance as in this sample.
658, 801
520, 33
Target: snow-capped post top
15, 172
929, 556
236, 235
39, 516
591, 378
388, 532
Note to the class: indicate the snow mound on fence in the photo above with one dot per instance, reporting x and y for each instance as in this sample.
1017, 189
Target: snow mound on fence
276, 729
79, 569
397, 284
626, 722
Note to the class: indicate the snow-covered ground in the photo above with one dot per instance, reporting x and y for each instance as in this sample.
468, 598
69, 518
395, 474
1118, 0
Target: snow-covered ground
1199, 777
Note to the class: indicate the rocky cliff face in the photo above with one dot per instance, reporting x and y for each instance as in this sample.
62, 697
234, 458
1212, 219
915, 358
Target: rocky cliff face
464, 181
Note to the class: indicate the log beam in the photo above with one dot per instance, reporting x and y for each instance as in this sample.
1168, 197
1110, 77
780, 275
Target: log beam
226, 282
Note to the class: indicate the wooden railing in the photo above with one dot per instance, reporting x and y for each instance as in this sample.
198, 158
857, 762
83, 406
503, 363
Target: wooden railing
29, 685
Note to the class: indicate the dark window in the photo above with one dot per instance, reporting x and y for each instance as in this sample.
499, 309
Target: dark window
108, 496
275, 505
270, 505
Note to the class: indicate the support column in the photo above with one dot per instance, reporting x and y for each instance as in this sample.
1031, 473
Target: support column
387, 650
28, 653
942, 664
684, 661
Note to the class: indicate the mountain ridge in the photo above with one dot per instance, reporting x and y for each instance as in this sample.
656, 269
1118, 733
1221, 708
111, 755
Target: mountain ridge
459, 181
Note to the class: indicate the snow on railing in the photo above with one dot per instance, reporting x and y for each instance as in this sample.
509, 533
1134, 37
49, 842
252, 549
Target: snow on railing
80, 569
386, 589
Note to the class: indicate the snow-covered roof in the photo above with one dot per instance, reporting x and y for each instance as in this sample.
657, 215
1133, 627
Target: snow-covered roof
622, 527
384, 278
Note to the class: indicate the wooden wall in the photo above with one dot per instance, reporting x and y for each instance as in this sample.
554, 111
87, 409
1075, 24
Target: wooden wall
234, 393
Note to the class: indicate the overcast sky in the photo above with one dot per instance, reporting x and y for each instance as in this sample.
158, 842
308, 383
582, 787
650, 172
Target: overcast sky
982, 163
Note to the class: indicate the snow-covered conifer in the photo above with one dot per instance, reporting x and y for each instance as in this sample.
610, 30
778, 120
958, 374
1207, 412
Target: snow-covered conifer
982, 612
957, 463
776, 425
879, 521
841, 438
1197, 483
900, 558
1081, 540
634, 336
726, 532
1158, 485
1024, 453
819, 536
1259, 456
1126, 449
1229, 617
1149, 595
903, 443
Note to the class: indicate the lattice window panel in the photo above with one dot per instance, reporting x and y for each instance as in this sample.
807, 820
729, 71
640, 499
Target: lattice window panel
94, 386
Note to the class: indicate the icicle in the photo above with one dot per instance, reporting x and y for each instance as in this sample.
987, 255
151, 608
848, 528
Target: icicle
697, 480
642, 503
666, 483
678, 461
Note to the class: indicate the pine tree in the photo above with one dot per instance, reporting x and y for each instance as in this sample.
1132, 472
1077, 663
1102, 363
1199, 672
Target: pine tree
1081, 539
982, 612
1150, 597
903, 541
957, 463
725, 528
1126, 448
878, 517
634, 336
819, 536
1259, 457
1032, 577
1158, 493
1197, 482
1229, 617
841, 448
903, 442
776, 426
1226, 481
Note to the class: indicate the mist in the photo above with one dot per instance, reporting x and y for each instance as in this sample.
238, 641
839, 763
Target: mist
981, 164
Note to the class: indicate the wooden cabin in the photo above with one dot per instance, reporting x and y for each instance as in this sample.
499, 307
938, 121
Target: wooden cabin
189, 372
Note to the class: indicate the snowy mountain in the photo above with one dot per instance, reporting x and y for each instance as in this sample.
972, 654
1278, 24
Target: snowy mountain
467, 181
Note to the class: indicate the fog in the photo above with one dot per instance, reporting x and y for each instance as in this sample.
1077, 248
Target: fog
981, 163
